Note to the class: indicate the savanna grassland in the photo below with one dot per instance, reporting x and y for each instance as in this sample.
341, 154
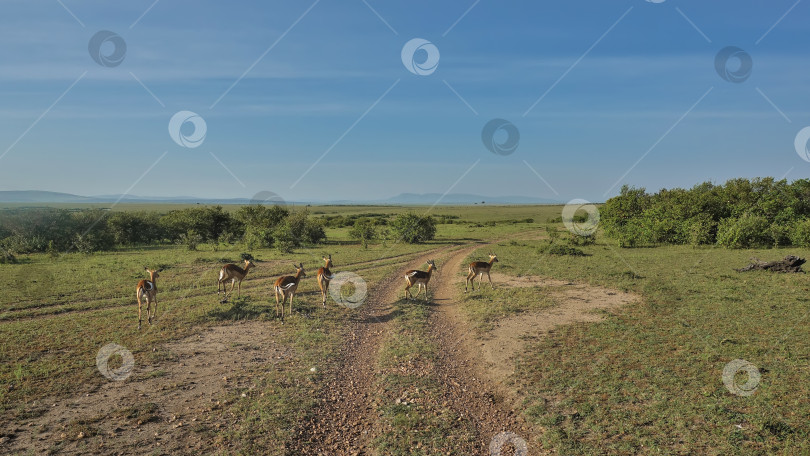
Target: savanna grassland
646, 378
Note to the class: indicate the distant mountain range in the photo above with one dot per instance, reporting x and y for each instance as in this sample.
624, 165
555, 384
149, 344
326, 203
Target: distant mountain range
42, 197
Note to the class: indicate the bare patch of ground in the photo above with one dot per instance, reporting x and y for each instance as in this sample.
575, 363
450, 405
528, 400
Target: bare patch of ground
170, 407
575, 303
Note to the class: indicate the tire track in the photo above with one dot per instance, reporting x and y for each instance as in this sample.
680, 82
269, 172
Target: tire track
460, 369
67, 307
344, 422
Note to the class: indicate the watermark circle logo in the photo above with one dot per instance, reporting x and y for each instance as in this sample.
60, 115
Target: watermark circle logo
802, 143
502, 439
266, 197
723, 62
490, 133
409, 57
591, 223
196, 137
740, 365
101, 54
103, 358
357, 298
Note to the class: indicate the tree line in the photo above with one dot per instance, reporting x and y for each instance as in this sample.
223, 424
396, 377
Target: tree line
741, 213
29, 230
89, 230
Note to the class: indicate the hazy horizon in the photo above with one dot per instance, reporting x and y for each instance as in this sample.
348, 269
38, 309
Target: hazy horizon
336, 101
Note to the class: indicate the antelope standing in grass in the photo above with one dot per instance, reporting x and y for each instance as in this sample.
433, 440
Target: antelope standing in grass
419, 278
324, 277
286, 286
147, 291
235, 274
479, 268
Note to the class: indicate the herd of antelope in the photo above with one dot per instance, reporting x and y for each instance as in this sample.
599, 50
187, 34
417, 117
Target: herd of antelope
286, 286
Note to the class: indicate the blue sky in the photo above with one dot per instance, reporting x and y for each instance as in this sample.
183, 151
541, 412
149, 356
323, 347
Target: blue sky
619, 80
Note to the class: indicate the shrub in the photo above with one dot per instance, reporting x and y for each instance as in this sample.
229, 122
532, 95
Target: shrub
700, 230
747, 231
414, 229
208, 222
560, 249
577, 239
800, 234
739, 213
130, 228
364, 231
255, 238
261, 217
285, 245
191, 239
298, 229
779, 233
92, 242
6, 257
633, 234
553, 232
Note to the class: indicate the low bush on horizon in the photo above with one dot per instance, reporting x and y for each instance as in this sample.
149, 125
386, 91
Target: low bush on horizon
741, 213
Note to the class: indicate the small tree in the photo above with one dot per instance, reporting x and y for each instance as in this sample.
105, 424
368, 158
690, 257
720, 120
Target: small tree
191, 239
414, 229
298, 229
363, 230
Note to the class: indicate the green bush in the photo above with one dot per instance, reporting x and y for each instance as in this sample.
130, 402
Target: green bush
364, 231
560, 249
261, 217
208, 222
779, 233
191, 240
633, 234
132, 228
800, 234
552, 232
6, 257
414, 229
747, 231
256, 237
700, 230
579, 239
297, 230
739, 213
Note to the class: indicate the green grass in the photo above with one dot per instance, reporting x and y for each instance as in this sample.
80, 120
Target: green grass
650, 379
647, 380
56, 313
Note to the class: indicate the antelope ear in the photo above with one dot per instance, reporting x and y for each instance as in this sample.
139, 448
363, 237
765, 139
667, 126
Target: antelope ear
145, 268
330, 256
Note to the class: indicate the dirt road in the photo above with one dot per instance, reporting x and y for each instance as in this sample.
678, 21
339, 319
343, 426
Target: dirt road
164, 409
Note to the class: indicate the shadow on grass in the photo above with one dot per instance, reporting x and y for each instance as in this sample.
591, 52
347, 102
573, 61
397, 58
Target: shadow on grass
420, 301
242, 309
